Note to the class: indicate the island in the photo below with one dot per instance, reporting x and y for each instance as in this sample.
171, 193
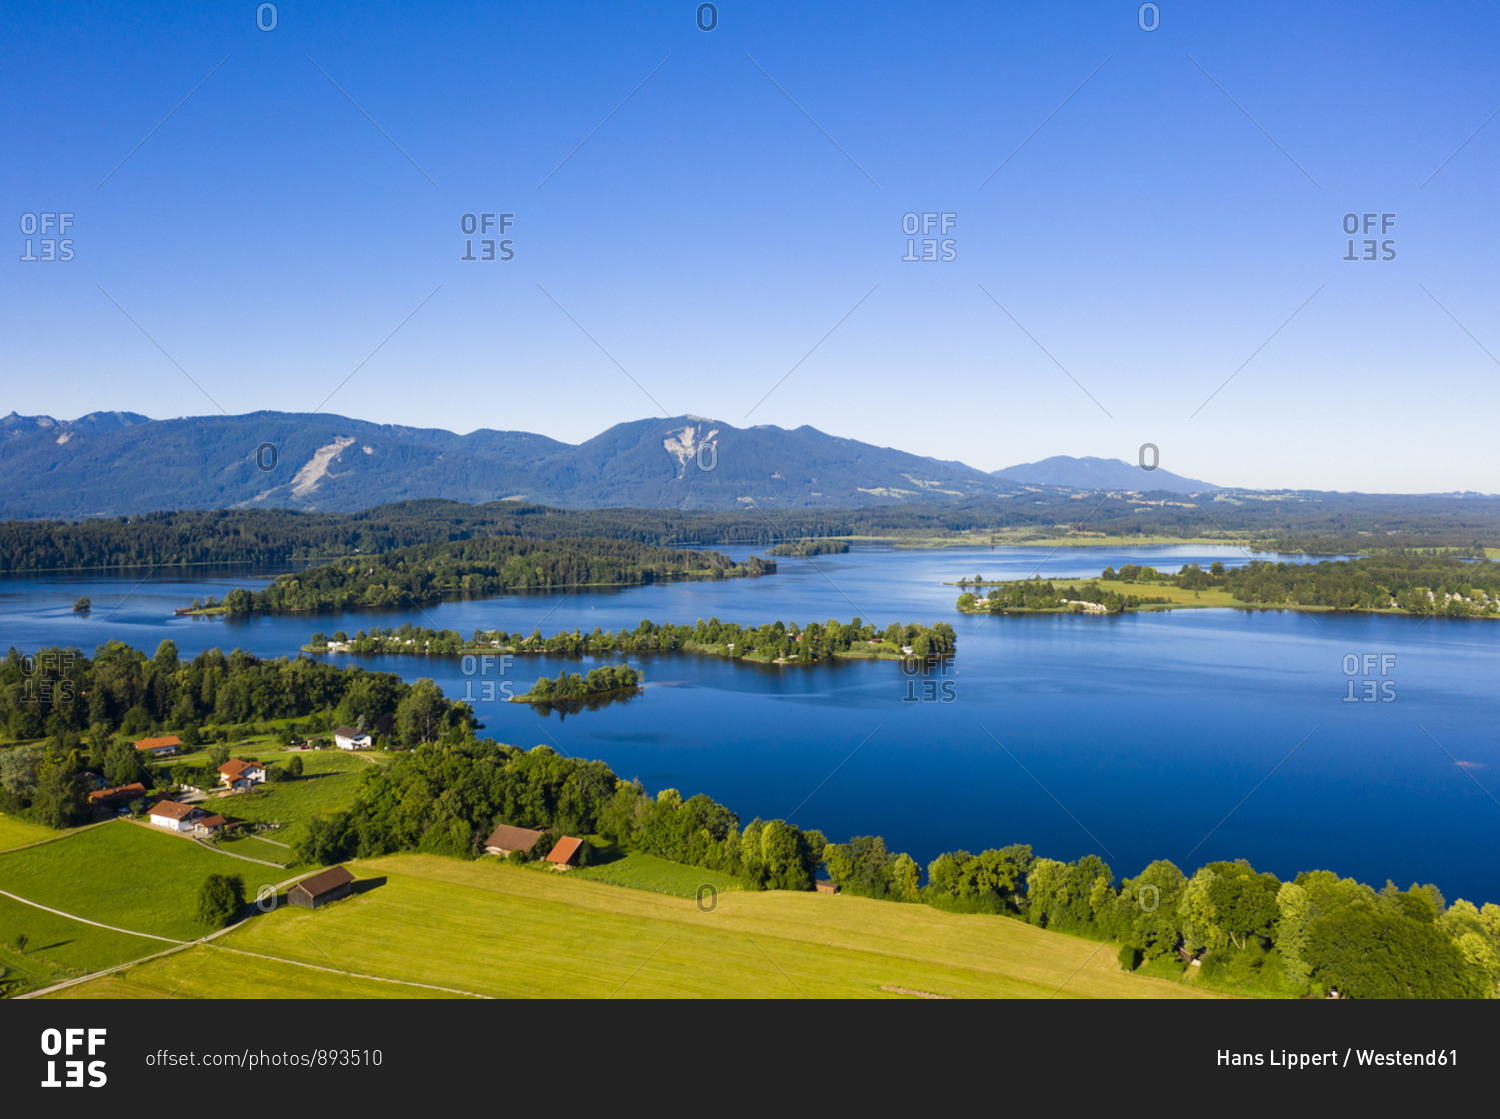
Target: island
809, 548
610, 679
776, 643
478, 568
1443, 585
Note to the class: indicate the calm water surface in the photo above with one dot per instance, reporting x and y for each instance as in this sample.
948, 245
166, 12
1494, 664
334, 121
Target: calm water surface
1189, 735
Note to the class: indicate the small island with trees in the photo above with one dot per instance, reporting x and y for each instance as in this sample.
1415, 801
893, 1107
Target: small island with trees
609, 679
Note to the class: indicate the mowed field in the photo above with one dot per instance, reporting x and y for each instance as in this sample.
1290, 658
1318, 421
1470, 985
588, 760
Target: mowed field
487, 928
128, 875
18, 833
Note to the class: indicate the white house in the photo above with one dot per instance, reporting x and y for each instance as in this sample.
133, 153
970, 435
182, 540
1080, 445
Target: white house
241, 773
347, 738
173, 816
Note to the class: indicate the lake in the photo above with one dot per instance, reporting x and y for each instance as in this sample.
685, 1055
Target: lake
1361, 744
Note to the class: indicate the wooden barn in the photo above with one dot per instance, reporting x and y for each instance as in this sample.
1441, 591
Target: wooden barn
320, 889
564, 854
505, 839
826, 886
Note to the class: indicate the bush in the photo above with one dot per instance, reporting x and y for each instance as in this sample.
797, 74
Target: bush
221, 898
1129, 957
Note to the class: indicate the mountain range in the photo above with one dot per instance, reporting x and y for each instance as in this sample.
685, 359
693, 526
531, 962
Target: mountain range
116, 463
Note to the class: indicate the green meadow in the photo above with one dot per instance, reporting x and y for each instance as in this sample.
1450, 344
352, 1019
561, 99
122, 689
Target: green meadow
512, 932
124, 874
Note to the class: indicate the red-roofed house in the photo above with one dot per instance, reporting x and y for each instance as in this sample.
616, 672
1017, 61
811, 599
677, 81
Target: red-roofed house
241, 773
208, 825
120, 794
505, 839
564, 853
173, 816
159, 747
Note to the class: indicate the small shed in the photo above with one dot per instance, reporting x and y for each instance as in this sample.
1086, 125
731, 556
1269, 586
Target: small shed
564, 853
209, 825
322, 888
505, 839
826, 886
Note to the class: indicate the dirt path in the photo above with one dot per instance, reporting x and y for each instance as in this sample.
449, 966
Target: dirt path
86, 921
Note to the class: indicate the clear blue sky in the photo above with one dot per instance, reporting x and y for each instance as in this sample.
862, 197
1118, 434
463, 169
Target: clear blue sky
1150, 235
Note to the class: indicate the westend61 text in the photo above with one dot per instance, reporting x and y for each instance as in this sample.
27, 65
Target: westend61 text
1280, 1058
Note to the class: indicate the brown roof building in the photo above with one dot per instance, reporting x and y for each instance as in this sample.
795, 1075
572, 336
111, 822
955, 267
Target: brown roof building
564, 853
320, 889
505, 839
168, 744
120, 794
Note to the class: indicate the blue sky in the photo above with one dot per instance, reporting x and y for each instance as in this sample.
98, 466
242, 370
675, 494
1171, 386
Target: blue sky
1127, 257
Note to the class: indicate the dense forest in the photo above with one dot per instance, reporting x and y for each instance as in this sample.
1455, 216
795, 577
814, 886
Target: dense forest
1246, 931
809, 548
775, 641
1325, 523
479, 568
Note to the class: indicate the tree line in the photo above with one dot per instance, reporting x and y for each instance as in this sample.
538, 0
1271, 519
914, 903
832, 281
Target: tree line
1322, 523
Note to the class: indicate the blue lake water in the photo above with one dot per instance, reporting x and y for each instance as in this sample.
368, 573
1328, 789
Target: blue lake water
1188, 735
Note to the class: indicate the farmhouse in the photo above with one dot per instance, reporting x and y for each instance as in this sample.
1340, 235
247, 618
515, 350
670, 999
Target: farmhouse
173, 816
120, 794
347, 738
241, 773
159, 747
505, 839
564, 854
320, 889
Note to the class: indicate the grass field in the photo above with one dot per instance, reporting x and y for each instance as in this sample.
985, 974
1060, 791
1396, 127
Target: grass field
648, 872
18, 833
506, 931
205, 972
123, 874
254, 848
57, 947
330, 782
